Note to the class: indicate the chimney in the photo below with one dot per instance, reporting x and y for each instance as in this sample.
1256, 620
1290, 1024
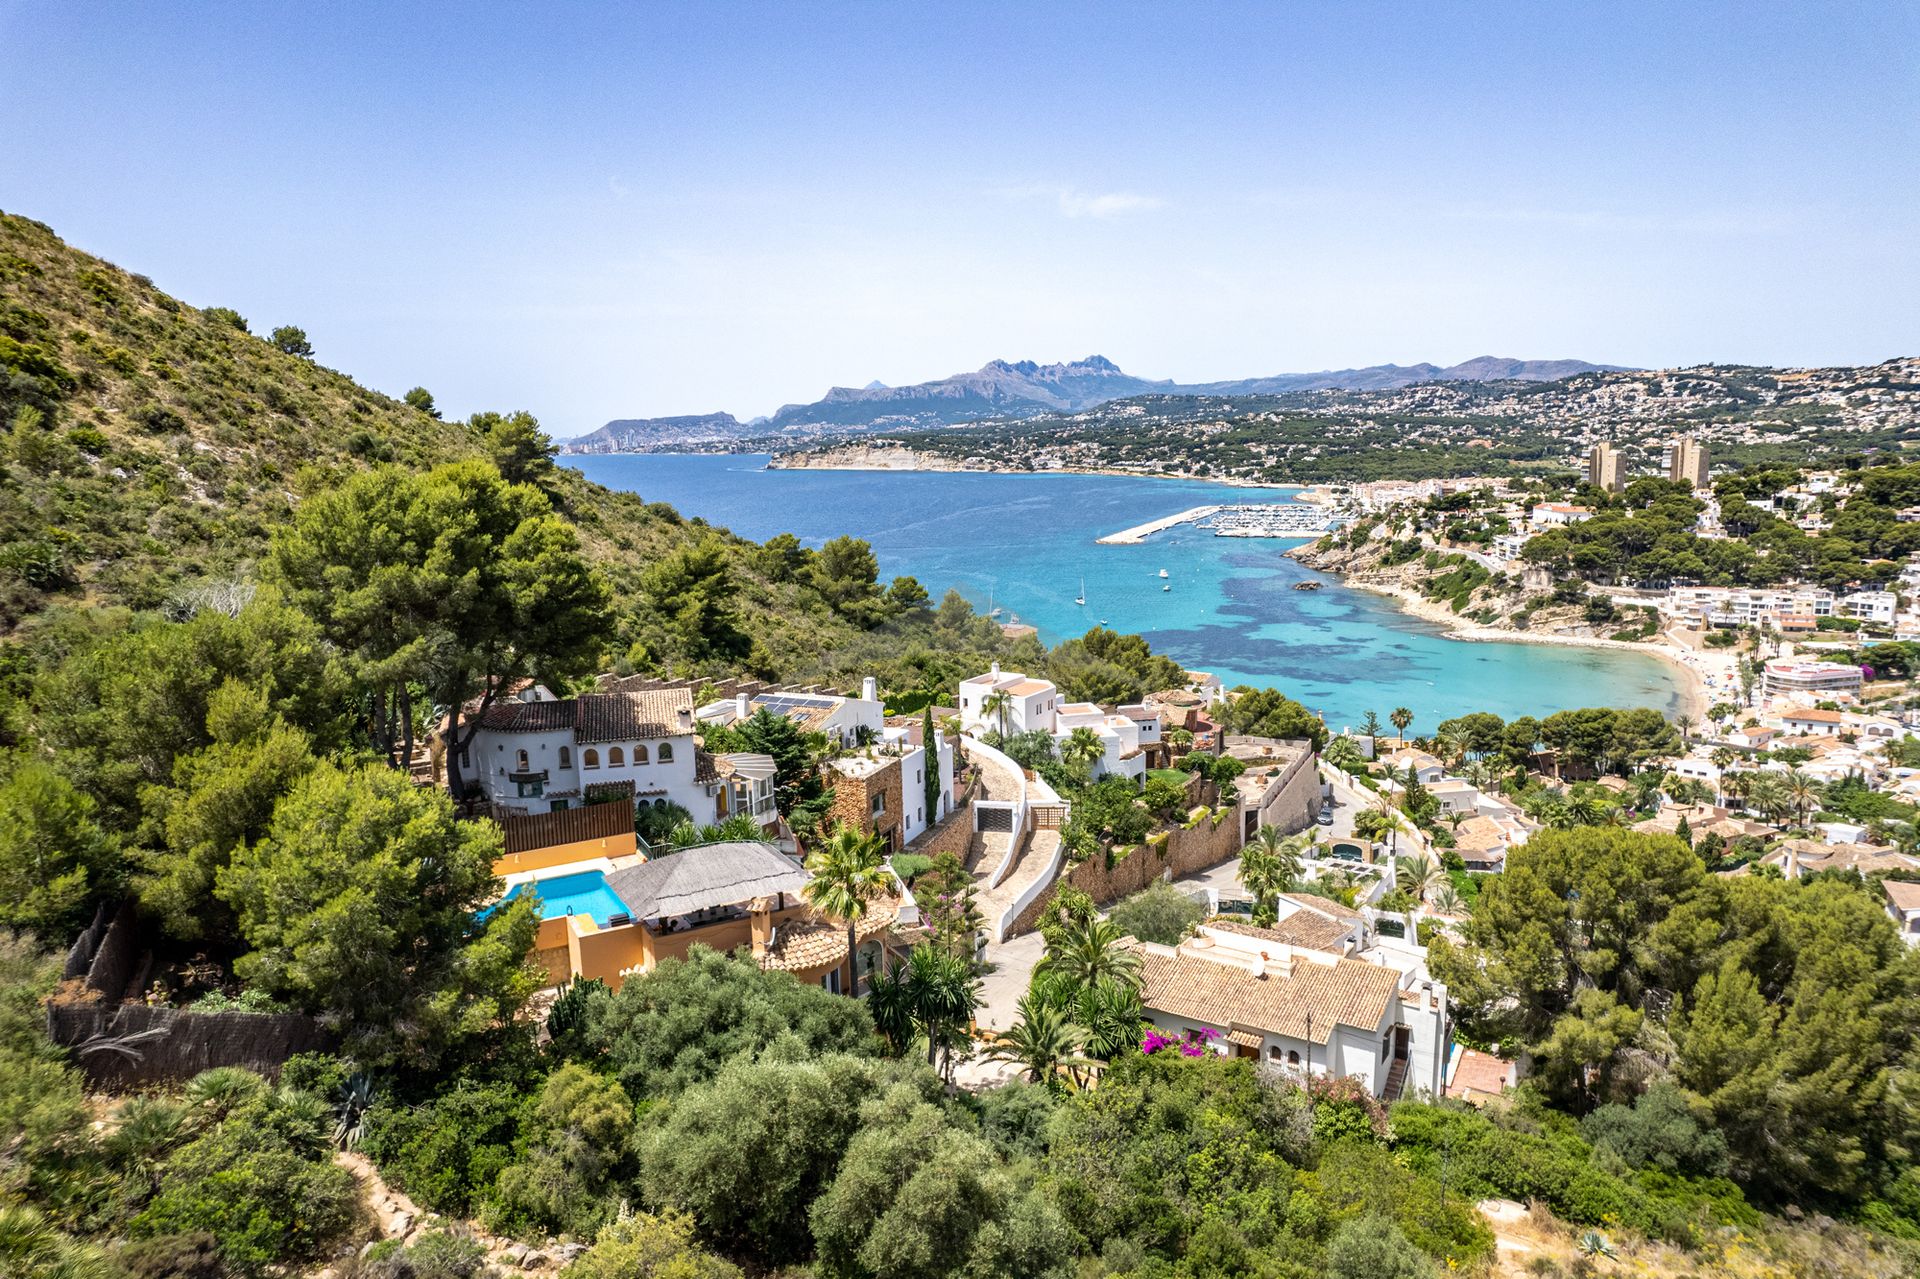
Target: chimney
869, 689
1260, 966
995, 672
741, 707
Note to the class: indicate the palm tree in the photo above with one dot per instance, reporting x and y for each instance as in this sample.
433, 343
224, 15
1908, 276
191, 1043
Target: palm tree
1803, 793
1417, 874
1083, 746
33, 1248
1269, 866
1446, 899
1342, 753
995, 704
848, 872
890, 1003
943, 993
1109, 1013
1042, 1042
1768, 796
1393, 821
1401, 718
1451, 745
1180, 739
1644, 794
1591, 809
1736, 785
1086, 952
1685, 724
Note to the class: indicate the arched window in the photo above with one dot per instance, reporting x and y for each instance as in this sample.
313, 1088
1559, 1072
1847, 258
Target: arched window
666, 753
640, 752
615, 757
566, 757
1273, 1052
1293, 1058
520, 761
590, 758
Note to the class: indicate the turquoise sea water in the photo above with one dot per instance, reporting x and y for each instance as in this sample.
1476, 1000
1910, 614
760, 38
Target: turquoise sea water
1029, 540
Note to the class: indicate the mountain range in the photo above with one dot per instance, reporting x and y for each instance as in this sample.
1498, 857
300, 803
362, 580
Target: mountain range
1024, 388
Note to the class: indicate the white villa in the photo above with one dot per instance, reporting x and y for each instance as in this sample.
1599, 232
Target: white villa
1300, 1008
845, 720
1034, 705
537, 753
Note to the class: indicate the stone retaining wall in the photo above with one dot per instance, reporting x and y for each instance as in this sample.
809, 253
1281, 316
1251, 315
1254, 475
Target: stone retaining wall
119, 1045
1184, 852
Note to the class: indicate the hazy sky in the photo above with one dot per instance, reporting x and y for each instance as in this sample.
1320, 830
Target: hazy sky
592, 212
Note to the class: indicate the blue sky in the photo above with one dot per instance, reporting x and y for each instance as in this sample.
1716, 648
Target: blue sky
594, 212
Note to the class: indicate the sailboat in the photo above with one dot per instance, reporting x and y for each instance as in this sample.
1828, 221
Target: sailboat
991, 610
1163, 572
1081, 598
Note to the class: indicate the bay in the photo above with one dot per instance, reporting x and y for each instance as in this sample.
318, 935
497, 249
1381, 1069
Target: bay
1028, 541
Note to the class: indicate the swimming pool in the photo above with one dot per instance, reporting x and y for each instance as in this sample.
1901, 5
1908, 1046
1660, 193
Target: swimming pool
582, 893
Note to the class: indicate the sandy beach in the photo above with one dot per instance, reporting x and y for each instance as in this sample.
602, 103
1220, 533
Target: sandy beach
1705, 677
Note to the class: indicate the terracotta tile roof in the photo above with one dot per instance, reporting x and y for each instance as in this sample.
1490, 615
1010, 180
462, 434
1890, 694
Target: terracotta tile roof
622, 717
1815, 716
599, 717
1481, 835
1244, 1038
1904, 896
1479, 1072
528, 717
1320, 905
816, 943
1864, 858
1306, 929
602, 792
568, 826
1346, 992
706, 768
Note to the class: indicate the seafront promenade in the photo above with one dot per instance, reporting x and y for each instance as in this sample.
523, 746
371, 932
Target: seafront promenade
1141, 532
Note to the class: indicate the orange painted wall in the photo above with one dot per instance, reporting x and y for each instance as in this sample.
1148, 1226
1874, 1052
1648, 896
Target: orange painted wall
561, 854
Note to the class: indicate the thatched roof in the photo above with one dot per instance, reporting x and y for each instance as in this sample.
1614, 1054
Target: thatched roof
707, 875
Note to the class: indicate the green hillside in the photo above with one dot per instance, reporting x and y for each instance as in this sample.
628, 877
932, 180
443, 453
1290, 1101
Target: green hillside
151, 447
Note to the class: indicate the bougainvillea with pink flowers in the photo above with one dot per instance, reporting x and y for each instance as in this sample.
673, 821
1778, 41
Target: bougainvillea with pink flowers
1195, 1047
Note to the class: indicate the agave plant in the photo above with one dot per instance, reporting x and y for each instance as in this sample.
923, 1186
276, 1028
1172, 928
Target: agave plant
350, 1111
1595, 1244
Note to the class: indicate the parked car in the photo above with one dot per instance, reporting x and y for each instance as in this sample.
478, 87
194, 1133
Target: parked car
1326, 817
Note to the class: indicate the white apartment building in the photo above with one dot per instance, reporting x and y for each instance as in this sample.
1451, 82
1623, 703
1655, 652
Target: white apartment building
1784, 676
1746, 606
1507, 546
1870, 606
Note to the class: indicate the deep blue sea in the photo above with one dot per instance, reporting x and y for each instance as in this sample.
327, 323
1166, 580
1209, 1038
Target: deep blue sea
1028, 541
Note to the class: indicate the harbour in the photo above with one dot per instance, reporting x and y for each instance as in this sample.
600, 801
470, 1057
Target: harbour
1245, 519
1023, 544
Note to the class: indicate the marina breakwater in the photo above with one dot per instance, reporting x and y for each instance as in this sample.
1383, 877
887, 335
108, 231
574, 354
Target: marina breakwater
1141, 532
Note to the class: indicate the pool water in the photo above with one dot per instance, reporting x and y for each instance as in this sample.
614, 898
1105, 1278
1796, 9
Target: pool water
583, 893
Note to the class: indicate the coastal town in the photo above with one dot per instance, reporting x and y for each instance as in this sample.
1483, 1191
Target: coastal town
879, 642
